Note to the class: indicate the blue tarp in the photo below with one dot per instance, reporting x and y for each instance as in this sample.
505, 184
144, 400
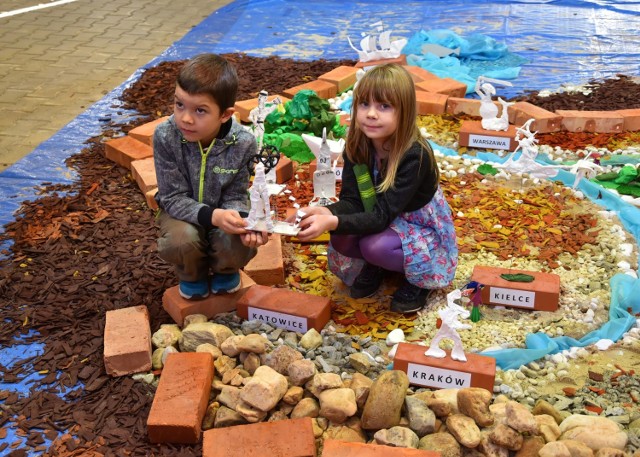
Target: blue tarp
554, 43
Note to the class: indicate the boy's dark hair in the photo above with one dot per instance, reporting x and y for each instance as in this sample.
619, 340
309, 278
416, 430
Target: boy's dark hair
213, 75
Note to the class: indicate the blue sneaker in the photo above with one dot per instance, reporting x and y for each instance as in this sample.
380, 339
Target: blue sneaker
228, 283
194, 290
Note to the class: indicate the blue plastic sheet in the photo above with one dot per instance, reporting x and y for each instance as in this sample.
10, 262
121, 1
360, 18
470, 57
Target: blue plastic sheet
551, 43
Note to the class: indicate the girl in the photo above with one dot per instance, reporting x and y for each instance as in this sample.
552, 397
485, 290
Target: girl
392, 215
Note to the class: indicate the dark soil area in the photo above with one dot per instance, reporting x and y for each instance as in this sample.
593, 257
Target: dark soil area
84, 249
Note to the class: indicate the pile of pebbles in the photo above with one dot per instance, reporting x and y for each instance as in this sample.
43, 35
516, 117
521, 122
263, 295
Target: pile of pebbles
346, 385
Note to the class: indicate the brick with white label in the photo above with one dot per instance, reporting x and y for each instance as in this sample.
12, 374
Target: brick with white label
283, 308
472, 135
541, 294
445, 373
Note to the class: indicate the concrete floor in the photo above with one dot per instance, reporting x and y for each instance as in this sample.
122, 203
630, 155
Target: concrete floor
55, 62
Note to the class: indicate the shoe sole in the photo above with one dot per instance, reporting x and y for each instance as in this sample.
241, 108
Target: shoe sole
193, 297
412, 310
224, 291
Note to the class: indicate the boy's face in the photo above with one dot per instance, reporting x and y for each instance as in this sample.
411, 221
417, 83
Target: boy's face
198, 116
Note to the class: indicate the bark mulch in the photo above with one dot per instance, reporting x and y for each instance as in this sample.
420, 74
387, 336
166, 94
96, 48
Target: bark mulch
80, 250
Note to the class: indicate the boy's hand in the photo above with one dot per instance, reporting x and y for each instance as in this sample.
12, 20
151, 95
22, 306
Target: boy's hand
229, 221
254, 239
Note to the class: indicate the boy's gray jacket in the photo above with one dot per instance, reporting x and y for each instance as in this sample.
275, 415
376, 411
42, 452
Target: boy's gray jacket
191, 184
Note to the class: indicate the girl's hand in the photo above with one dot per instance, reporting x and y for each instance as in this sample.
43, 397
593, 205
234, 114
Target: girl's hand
254, 239
309, 211
314, 225
229, 221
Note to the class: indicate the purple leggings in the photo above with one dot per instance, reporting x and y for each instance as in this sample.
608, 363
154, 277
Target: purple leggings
383, 249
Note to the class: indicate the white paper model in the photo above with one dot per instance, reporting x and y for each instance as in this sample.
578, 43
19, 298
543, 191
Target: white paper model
378, 44
449, 329
260, 213
488, 109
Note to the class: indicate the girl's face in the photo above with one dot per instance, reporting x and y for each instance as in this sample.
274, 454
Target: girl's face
378, 121
198, 116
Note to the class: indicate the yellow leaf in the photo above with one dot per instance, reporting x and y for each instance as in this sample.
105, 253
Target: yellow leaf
489, 244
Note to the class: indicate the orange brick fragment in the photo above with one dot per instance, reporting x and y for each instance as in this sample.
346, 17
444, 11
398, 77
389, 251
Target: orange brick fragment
178, 307
400, 60
419, 74
267, 267
144, 173
430, 103
283, 438
336, 448
323, 89
343, 77
144, 132
127, 341
446, 86
285, 308
181, 398
569, 391
591, 121
631, 119
243, 107
545, 121
477, 371
125, 150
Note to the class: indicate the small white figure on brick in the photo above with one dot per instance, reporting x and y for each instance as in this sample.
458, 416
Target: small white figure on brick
449, 328
488, 109
260, 213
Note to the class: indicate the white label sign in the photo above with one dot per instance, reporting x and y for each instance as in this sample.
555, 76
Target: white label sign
512, 297
424, 375
489, 142
280, 320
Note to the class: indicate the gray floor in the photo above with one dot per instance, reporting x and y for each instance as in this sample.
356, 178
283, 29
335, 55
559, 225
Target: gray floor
57, 61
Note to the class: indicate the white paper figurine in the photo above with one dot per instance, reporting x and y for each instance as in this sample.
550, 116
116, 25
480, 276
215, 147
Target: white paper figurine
378, 44
324, 178
488, 109
257, 117
260, 213
315, 142
526, 163
584, 168
449, 329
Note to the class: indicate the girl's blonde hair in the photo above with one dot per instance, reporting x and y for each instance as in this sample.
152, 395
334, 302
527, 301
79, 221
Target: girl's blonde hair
393, 85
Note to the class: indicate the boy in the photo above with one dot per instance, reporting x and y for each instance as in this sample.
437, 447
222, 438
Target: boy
202, 158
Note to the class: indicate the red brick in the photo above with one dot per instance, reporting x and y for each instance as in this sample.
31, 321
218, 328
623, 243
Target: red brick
323, 89
337, 448
144, 173
284, 169
299, 311
445, 86
283, 438
127, 341
545, 121
419, 74
430, 102
243, 107
267, 267
543, 291
125, 150
144, 132
181, 398
400, 60
150, 197
470, 106
343, 77
345, 119
631, 119
472, 134
178, 307
477, 371
591, 121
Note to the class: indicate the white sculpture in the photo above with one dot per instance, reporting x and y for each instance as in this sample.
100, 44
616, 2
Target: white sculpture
488, 109
259, 218
257, 117
526, 163
324, 178
449, 329
378, 45
584, 168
